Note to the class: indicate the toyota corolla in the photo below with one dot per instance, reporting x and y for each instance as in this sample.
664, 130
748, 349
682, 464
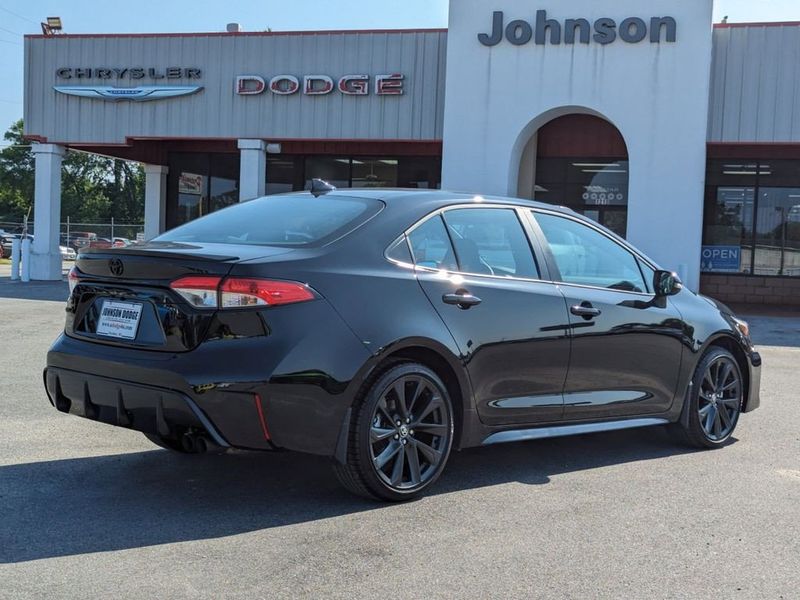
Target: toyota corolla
386, 328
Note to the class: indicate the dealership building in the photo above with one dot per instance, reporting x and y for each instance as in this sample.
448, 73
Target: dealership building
679, 134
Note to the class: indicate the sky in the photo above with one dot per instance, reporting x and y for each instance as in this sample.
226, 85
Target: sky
19, 17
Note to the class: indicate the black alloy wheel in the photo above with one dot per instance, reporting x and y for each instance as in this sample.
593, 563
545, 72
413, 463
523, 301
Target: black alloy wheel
401, 436
716, 400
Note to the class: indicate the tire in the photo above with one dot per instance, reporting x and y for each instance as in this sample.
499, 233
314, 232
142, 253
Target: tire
400, 436
714, 401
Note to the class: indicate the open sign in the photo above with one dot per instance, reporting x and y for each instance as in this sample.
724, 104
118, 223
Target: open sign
721, 258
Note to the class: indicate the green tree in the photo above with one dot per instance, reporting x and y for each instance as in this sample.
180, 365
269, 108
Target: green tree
93, 188
16, 175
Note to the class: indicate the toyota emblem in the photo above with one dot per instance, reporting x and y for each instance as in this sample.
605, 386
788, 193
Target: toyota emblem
116, 267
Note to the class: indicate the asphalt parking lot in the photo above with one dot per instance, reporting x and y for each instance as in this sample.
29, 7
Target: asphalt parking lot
89, 511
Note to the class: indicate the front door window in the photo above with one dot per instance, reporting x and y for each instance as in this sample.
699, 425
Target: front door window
585, 256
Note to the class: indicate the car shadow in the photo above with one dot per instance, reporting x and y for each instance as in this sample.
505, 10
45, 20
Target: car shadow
54, 291
105, 503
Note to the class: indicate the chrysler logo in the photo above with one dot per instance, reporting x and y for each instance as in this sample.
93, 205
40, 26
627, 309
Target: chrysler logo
138, 94
116, 267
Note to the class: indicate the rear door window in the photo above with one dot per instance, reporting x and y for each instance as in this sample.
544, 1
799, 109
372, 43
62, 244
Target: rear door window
585, 256
291, 220
431, 246
491, 241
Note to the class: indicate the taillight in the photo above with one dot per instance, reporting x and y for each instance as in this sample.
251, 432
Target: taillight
239, 292
198, 291
73, 279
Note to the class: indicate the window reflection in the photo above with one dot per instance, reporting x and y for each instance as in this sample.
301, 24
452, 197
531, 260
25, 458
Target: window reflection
335, 171
200, 183
381, 172
752, 217
597, 188
778, 232
294, 173
729, 224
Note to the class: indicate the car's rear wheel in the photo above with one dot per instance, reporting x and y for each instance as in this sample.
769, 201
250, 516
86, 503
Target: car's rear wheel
715, 400
400, 436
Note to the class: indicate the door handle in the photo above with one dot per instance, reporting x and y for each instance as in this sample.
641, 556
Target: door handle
462, 299
585, 310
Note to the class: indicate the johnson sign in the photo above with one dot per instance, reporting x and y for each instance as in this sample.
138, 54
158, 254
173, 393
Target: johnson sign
603, 31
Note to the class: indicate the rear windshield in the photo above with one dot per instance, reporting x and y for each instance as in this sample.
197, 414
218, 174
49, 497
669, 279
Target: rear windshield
293, 220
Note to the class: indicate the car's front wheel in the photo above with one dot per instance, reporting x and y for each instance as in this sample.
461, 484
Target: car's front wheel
715, 400
401, 435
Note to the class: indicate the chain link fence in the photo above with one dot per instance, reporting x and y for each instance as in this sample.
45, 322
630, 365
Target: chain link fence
80, 234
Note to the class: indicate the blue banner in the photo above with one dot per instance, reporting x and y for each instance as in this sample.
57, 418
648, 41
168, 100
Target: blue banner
721, 258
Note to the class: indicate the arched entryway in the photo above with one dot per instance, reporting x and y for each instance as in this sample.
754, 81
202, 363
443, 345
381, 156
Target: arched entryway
579, 161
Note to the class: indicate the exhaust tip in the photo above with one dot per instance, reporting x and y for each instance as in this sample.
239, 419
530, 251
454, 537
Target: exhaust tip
188, 444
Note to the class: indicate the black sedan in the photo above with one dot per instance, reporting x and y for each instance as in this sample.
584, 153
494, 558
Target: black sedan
384, 329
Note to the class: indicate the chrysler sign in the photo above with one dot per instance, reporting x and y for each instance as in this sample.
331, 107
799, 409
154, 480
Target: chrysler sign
138, 94
132, 73
603, 31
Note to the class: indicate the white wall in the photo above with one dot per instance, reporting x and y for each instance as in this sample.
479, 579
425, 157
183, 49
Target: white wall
656, 94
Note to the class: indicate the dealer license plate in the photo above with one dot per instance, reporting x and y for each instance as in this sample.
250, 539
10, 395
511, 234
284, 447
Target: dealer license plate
119, 319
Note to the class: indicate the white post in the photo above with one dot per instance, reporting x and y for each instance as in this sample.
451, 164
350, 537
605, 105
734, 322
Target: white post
26, 259
16, 248
45, 260
155, 200
252, 169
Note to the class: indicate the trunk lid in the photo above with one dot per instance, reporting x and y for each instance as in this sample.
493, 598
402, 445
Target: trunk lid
123, 297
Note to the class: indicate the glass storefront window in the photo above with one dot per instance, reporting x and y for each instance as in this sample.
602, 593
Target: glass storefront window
335, 171
224, 192
224, 181
284, 174
379, 172
778, 232
294, 173
191, 196
752, 217
728, 230
199, 183
419, 173
596, 188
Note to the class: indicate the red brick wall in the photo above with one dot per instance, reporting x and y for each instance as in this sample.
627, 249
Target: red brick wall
745, 289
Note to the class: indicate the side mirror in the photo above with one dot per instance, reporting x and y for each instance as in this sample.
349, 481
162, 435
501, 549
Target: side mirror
666, 283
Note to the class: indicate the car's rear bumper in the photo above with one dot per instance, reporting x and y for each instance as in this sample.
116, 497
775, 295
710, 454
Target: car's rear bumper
754, 391
293, 384
156, 410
